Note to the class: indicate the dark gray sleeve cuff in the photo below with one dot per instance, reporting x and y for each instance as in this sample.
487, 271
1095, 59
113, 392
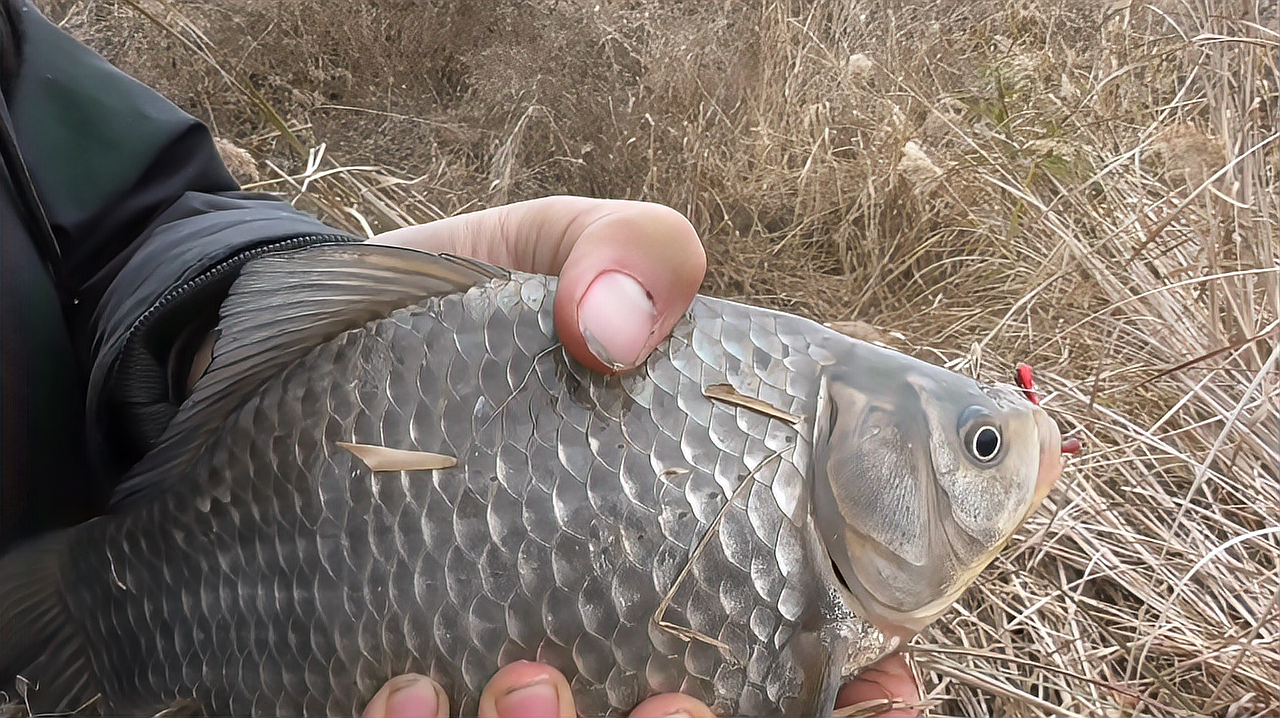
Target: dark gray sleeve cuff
169, 291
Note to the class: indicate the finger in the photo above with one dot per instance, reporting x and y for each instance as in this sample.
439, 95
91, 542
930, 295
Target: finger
672, 704
889, 679
628, 270
409, 696
527, 690
629, 278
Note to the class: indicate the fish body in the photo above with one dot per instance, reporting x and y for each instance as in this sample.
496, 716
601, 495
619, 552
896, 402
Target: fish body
630, 530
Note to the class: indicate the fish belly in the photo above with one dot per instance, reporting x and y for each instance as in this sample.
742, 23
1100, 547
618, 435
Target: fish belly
286, 577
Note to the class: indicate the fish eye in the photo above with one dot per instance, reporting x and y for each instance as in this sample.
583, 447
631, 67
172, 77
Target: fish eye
981, 435
985, 444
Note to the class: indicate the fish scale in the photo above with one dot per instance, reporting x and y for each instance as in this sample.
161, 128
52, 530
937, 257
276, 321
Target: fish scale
476, 629
352, 598
632, 532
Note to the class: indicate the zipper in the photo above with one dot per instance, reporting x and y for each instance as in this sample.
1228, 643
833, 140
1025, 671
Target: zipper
219, 270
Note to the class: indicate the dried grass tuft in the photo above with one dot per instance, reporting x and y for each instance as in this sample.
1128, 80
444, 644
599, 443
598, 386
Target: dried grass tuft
1088, 187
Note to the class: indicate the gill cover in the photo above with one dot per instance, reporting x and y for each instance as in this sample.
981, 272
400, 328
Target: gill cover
921, 476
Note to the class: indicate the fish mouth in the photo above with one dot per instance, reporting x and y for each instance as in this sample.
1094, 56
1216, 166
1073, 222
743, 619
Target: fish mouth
1052, 451
1051, 442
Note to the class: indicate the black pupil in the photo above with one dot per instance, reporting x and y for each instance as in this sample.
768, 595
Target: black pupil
986, 443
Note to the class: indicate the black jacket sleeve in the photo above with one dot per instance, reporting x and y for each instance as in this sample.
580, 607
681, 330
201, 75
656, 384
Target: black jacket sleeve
150, 228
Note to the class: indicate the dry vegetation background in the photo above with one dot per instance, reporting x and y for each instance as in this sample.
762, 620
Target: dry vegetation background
1090, 187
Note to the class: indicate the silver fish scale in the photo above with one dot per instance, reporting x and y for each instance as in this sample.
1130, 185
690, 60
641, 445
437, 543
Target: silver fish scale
284, 577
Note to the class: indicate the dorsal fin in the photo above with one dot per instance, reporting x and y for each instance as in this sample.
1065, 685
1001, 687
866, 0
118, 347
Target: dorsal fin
282, 306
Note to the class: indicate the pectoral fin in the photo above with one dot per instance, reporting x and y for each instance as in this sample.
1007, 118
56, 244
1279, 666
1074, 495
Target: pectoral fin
822, 653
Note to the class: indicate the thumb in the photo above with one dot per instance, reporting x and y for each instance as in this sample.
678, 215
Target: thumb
628, 279
628, 270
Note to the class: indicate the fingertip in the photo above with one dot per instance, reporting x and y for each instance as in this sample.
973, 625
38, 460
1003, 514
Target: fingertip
672, 704
631, 275
408, 696
616, 317
888, 681
527, 690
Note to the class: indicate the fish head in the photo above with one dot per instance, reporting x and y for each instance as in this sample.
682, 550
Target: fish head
920, 477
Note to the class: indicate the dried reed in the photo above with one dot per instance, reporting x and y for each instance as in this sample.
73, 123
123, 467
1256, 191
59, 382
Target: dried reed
1090, 187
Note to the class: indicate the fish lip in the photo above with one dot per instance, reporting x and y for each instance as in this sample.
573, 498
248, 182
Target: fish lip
1051, 458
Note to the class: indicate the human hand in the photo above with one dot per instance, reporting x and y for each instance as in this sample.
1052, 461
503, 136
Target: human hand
535, 690
628, 270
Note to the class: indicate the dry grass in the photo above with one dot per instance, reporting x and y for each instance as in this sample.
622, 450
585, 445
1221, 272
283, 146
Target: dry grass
1089, 187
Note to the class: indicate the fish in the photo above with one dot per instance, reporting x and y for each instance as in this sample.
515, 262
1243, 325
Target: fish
392, 465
